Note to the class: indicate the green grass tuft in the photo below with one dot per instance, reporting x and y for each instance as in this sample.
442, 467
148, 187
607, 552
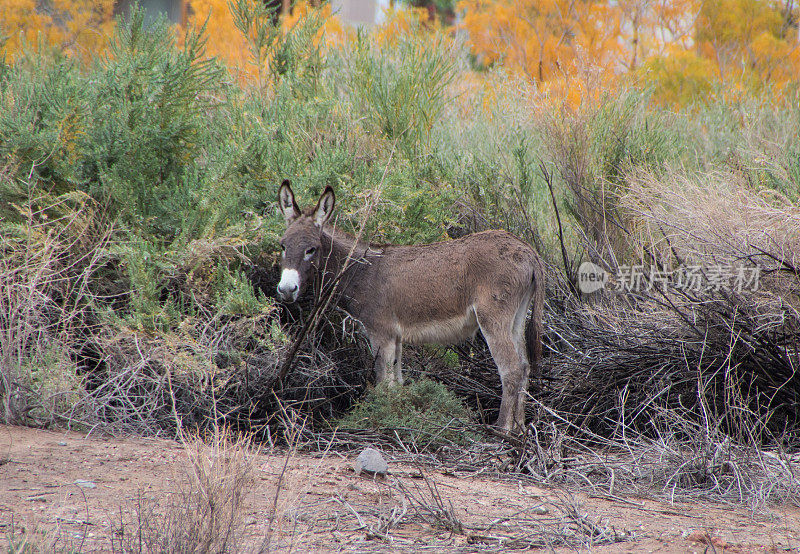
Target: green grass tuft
423, 412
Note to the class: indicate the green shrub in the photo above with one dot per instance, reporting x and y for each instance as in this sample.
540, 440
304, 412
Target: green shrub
402, 91
423, 412
151, 125
235, 294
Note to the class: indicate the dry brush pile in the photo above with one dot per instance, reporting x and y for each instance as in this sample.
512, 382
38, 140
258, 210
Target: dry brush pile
711, 324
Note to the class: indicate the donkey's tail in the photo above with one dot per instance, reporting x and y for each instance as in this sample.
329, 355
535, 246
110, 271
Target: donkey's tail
535, 329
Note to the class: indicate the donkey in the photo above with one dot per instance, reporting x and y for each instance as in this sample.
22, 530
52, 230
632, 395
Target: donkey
436, 293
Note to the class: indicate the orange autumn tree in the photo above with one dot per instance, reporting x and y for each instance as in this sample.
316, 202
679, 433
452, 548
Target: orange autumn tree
224, 40
78, 27
752, 41
404, 22
661, 54
736, 47
681, 49
654, 28
565, 45
243, 32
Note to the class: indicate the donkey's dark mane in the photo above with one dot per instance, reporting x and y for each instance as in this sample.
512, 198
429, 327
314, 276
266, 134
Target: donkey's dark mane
339, 233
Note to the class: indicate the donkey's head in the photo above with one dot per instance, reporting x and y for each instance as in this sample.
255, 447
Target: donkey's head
301, 242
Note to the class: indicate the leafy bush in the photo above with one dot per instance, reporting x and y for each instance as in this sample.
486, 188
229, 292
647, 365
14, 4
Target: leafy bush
403, 90
423, 412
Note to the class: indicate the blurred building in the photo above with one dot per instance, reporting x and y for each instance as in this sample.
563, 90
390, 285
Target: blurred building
361, 12
175, 10
356, 12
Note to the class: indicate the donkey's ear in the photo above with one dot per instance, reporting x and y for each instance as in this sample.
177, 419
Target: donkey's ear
286, 202
324, 207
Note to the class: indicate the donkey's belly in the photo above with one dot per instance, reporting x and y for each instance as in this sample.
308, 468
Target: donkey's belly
443, 331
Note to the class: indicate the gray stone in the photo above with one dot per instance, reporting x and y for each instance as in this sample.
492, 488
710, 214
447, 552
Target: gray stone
371, 461
85, 484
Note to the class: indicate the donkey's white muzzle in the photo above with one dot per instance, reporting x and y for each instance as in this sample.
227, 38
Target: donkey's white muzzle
289, 287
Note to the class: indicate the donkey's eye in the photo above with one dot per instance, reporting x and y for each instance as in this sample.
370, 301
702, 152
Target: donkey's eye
283, 247
310, 251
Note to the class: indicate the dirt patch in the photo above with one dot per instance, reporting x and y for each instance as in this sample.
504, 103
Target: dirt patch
80, 493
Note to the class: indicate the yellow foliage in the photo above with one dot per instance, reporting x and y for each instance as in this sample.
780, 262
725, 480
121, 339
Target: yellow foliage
402, 23
752, 41
78, 27
562, 46
654, 29
224, 39
333, 31
22, 22
773, 57
578, 50
735, 23
226, 42
678, 78
86, 25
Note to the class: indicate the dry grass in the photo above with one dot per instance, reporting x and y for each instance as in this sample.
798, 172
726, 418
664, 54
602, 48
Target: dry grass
46, 266
663, 391
424, 505
206, 514
685, 460
675, 392
718, 219
28, 538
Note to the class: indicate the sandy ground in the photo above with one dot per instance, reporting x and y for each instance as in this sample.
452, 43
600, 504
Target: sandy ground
69, 491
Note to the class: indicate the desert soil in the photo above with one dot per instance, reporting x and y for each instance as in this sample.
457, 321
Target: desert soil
74, 491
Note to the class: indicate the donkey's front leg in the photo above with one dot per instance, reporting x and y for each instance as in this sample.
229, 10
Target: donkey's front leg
385, 352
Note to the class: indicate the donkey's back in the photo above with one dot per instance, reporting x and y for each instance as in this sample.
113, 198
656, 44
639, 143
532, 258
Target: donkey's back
436, 293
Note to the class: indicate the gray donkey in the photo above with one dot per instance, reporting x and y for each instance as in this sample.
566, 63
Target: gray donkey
435, 293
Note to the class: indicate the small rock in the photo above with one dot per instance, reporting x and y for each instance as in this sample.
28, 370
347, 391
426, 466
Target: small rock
85, 484
540, 510
371, 461
62, 443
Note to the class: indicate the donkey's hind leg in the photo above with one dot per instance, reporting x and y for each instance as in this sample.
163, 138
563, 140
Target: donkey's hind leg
512, 363
398, 361
520, 342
